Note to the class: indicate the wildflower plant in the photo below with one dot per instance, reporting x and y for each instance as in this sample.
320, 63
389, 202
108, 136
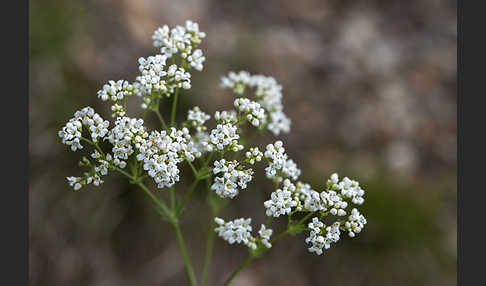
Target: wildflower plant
221, 156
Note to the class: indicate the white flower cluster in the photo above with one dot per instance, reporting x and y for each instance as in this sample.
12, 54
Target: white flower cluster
268, 95
154, 77
348, 188
126, 133
96, 171
225, 136
281, 200
236, 81
239, 231
197, 118
181, 40
307, 198
301, 197
161, 152
233, 176
224, 117
322, 238
279, 165
116, 91
252, 110
201, 143
71, 133
254, 155
355, 223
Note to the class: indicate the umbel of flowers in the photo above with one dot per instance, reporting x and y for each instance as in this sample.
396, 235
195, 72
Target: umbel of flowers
216, 150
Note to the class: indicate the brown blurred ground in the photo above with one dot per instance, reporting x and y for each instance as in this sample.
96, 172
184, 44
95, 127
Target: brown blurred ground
371, 90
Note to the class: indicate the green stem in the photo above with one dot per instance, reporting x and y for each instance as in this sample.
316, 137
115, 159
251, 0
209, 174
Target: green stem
172, 198
162, 121
251, 257
185, 255
174, 107
187, 195
305, 218
193, 169
209, 248
238, 270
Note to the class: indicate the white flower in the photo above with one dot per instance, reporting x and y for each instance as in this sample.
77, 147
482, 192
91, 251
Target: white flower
232, 178
116, 91
279, 165
268, 94
315, 225
317, 240
254, 155
197, 118
71, 133
153, 73
281, 201
334, 202
225, 136
238, 230
224, 117
252, 110
355, 223
265, 234
348, 188
196, 60
180, 40
236, 81
161, 152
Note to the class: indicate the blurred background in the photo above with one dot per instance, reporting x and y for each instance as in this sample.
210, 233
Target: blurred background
370, 87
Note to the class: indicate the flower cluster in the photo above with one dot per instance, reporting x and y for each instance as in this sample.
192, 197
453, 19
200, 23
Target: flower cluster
280, 166
320, 237
71, 133
116, 91
224, 117
161, 152
268, 95
125, 134
225, 136
181, 40
300, 197
196, 118
233, 176
281, 200
251, 110
254, 155
134, 151
239, 231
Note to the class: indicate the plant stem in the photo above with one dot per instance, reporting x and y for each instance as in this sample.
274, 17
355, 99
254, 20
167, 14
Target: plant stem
187, 195
305, 218
172, 198
238, 270
174, 107
173, 221
209, 247
161, 119
185, 255
251, 257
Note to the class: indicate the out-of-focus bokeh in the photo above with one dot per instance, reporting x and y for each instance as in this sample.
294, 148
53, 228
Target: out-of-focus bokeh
370, 87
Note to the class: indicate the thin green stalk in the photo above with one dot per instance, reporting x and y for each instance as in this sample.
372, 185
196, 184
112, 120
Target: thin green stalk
305, 218
174, 107
193, 169
172, 198
162, 121
238, 270
187, 195
251, 257
209, 247
185, 255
